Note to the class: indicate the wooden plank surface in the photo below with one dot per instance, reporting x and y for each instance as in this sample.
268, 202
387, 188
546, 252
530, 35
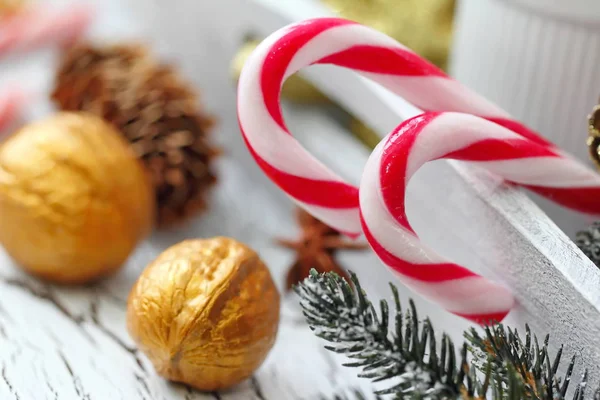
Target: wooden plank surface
72, 341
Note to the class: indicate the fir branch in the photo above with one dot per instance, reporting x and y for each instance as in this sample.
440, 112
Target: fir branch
356, 395
344, 317
406, 355
502, 348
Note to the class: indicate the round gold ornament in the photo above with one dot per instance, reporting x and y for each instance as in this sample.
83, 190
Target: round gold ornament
74, 200
205, 312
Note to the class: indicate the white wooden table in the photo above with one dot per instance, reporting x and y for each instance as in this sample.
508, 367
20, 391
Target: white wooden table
71, 343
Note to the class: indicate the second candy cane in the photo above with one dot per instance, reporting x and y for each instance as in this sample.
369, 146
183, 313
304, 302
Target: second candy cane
325, 195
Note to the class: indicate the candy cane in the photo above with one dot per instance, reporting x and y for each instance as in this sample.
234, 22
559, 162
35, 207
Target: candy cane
324, 194
433, 136
33, 28
374, 55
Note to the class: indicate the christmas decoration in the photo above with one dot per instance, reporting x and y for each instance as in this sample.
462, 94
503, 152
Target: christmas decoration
300, 91
497, 365
74, 200
425, 26
354, 395
155, 110
588, 240
294, 88
399, 69
497, 143
316, 249
593, 141
205, 312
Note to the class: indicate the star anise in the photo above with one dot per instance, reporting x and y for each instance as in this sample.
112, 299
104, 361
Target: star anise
316, 249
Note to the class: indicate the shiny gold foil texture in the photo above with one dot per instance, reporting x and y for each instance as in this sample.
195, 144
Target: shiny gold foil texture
74, 199
205, 312
425, 26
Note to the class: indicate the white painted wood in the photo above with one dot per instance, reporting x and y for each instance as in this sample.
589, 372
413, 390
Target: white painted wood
69, 343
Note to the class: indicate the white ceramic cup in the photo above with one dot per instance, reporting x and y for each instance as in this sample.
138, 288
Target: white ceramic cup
540, 61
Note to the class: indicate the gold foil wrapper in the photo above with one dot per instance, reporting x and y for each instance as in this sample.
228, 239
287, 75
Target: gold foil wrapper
205, 312
74, 200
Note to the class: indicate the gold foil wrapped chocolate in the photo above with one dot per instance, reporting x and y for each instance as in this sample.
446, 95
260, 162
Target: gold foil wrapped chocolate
205, 312
74, 200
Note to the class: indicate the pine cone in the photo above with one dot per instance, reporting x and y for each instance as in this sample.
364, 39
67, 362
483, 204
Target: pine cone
154, 109
588, 241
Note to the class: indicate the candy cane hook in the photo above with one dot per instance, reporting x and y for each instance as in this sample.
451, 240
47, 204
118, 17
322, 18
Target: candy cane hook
499, 144
433, 136
347, 44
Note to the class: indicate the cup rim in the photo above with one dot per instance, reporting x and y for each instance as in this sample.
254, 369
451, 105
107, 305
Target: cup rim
579, 10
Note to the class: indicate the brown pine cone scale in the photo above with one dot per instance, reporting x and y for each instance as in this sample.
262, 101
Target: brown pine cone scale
155, 110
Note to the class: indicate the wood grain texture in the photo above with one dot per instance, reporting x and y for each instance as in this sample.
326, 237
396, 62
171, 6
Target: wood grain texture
71, 343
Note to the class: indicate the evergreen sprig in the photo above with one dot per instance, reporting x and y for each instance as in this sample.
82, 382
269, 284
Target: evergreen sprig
356, 395
404, 353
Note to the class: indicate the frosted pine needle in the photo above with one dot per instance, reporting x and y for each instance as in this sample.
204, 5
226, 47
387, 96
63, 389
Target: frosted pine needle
404, 353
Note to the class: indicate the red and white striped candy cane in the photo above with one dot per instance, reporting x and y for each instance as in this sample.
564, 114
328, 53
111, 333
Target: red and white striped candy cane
35, 27
371, 53
321, 192
433, 136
